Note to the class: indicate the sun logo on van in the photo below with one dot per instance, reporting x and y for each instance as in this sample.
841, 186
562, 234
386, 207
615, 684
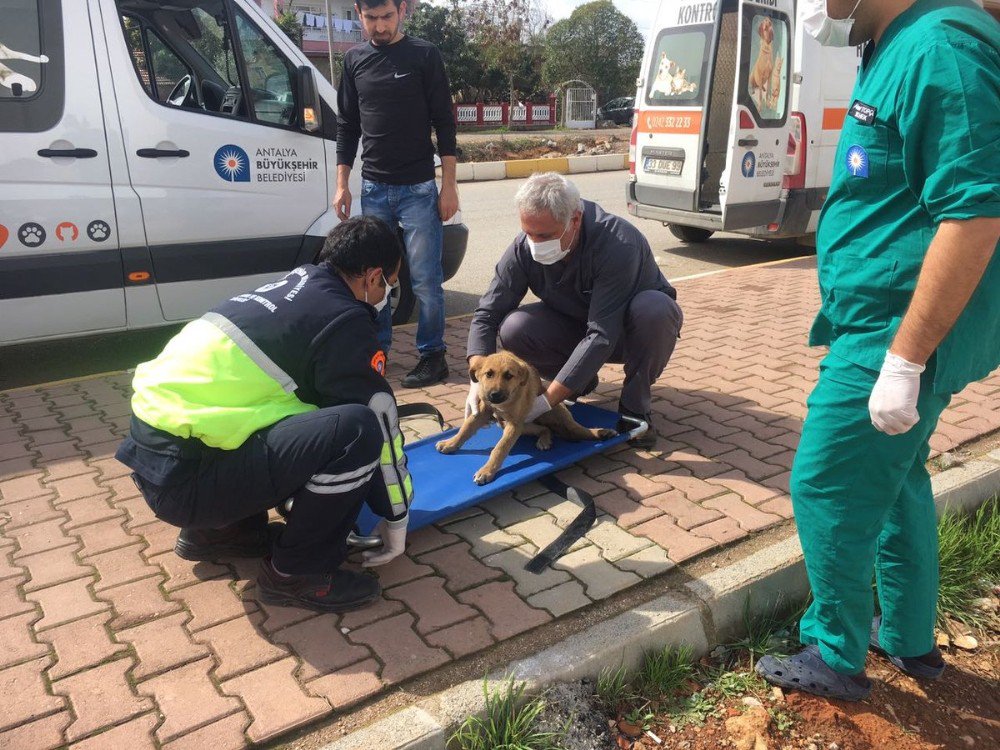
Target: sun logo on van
857, 161
232, 164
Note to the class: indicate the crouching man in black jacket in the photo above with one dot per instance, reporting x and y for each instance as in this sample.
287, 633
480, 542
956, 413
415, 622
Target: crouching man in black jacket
279, 394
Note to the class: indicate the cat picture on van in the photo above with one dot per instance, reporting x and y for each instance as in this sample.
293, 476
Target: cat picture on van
10, 79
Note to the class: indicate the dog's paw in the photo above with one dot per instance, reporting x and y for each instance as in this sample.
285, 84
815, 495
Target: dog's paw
544, 442
483, 476
446, 446
604, 433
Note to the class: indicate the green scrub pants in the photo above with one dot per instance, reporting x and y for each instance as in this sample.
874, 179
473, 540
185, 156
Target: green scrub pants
863, 500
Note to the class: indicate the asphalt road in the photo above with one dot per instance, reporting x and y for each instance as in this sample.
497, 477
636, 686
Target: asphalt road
487, 209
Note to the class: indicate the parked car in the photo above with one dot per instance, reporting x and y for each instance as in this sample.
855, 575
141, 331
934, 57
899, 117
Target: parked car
619, 110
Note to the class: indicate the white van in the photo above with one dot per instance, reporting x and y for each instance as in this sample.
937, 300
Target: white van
738, 114
156, 158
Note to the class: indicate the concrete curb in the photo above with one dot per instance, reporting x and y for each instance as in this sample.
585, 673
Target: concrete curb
513, 169
700, 615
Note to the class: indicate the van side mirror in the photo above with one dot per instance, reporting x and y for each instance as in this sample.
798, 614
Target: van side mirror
310, 117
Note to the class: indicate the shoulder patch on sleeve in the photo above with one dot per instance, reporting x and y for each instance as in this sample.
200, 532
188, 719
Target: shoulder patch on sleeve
378, 362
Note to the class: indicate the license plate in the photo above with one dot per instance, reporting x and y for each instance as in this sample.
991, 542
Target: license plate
663, 166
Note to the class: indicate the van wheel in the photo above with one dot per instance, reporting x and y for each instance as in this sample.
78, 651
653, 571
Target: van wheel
403, 300
689, 234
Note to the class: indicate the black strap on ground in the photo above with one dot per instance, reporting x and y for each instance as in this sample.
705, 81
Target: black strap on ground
580, 525
414, 411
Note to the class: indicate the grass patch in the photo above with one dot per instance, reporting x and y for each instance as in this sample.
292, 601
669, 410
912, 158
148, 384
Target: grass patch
969, 550
510, 723
665, 671
613, 688
773, 632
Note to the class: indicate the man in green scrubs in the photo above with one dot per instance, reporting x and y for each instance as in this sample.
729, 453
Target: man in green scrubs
910, 284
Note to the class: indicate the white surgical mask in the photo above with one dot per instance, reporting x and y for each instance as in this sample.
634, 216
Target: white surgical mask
830, 32
379, 306
550, 251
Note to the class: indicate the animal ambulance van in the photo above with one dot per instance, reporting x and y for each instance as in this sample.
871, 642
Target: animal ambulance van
155, 159
738, 113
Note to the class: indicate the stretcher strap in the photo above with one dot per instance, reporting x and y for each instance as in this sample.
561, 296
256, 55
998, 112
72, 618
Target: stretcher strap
414, 411
580, 525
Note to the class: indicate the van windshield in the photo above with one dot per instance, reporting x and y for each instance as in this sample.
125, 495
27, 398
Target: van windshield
679, 66
21, 58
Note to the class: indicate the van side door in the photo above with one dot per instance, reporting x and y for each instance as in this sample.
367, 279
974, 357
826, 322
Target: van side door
228, 179
60, 263
760, 124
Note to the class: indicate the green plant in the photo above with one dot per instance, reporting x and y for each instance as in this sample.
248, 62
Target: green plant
783, 719
641, 717
664, 671
733, 683
613, 688
969, 551
510, 723
697, 708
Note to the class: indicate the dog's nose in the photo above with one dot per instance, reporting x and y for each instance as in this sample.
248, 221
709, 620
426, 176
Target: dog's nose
496, 397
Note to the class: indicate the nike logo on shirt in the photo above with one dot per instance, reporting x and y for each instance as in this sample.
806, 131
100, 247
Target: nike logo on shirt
401, 75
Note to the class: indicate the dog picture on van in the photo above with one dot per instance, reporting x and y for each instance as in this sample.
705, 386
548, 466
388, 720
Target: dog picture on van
768, 52
16, 25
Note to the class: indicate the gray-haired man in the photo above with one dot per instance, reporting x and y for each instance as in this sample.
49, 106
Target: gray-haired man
603, 299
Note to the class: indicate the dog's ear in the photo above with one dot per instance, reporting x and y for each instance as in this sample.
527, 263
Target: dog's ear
474, 373
523, 374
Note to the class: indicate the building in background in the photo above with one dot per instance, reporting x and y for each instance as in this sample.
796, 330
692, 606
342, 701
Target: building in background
342, 27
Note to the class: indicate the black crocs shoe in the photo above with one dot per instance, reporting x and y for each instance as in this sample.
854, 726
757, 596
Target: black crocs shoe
199, 545
339, 591
930, 666
644, 441
432, 368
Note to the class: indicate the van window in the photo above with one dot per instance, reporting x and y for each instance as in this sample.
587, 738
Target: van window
160, 69
764, 67
185, 54
679, 66
270, 75
204, 55
31, 65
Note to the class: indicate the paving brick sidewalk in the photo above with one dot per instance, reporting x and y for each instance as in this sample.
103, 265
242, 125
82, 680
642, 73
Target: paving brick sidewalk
109, 640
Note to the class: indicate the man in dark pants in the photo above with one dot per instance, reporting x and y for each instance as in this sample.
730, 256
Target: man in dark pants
393, 90
278, 394
603, 299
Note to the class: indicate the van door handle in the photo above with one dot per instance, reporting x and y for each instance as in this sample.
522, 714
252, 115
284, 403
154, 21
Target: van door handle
72, 153
747, 142
161, 153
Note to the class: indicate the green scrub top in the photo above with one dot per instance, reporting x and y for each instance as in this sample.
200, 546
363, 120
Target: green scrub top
920, 144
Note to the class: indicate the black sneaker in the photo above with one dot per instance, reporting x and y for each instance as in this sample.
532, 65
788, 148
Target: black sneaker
644, 441
231, 541
432, 368
339, 591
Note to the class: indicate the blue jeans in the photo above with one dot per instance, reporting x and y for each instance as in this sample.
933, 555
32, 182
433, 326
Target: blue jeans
415, 207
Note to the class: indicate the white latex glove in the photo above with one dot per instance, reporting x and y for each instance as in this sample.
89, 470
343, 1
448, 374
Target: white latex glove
393, 535
472, 400
539, 407
893, 403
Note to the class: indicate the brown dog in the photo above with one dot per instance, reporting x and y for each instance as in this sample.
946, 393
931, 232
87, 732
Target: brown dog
507, 388
760, 76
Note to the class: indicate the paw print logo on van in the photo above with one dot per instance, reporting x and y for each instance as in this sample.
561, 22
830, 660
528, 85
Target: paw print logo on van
232, 164
31, 234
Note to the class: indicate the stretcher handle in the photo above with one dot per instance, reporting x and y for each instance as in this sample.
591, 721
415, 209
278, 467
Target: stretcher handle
641, 426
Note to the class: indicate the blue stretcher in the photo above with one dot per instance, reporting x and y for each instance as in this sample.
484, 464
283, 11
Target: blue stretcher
443, 484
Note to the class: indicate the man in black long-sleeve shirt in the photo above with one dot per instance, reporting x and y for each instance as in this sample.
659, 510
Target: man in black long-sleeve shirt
393, 90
